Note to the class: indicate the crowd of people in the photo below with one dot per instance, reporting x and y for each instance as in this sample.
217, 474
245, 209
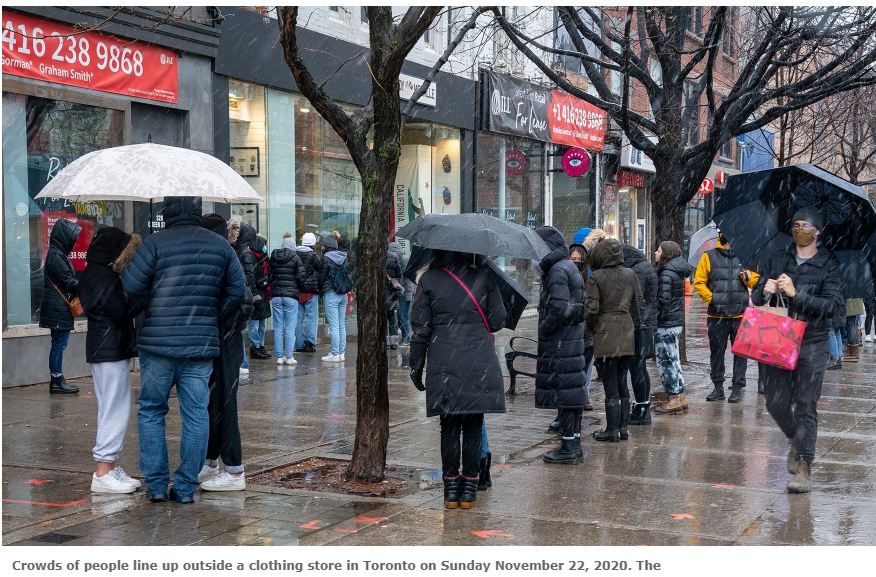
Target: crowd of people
209, 279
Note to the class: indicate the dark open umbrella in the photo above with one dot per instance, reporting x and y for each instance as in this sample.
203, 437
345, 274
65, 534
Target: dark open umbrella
755, 214
513, 296
475, 233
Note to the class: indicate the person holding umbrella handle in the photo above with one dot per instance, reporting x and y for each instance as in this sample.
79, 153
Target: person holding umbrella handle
809, 277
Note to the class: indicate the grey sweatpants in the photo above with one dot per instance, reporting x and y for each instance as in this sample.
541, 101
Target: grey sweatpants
112, 384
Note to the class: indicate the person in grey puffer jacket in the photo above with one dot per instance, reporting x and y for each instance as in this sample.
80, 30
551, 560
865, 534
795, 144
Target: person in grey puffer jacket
394, 255
635, 260
308, 295
335, 302
672, 270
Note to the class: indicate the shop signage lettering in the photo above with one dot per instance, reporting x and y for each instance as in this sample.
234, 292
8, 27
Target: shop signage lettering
523, 109
632, 157
83, 241
630, 178
407, 85
43, 50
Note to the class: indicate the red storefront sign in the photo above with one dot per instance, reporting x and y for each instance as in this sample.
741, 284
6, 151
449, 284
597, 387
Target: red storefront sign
630, 178
574, 122
83, 241
43, 50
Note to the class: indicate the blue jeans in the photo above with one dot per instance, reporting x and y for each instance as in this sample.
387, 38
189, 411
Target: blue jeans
257, 332
285, 318
485, 441
404, 307
836, 343
245, 363
335, 307
308, 317
56, 353
158, 375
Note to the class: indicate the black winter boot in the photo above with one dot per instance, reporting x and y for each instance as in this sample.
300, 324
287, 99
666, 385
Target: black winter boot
735, 395
59, 386
641, 414
485, 482
717, 394
263, 354
451, 492
468, 492
567, 454
612, 423
624, 419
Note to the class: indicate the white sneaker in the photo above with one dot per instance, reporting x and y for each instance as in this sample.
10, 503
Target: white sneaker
224, 482
868, 339
343, 357
208, 472
120, 474
330, 358
244, 372
109, 483
281, 361
290, 361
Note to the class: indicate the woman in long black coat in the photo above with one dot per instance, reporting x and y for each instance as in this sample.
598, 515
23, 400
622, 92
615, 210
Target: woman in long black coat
561, 370
54, 311
463, 378
109, 346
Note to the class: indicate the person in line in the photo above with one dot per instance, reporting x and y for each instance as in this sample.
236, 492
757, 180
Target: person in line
334, 296
455, 311
190, 279
870, 312
561, 369
59, 283
110, 345
261, 311
854, 309
394, 255
635, 260
404, 304
809, 276
614, 306
241, 236
578, 256
723, 284
835, 336
287, 274
672, 269
224, 440
308, 295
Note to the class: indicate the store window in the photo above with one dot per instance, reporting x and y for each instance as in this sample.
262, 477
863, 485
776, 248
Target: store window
41, 137
572, 197
510, 176
248, 149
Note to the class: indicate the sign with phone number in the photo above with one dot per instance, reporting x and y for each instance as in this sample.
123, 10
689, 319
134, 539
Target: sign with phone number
43, 50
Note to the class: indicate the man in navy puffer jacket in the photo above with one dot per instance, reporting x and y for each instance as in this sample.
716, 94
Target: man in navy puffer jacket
190, 278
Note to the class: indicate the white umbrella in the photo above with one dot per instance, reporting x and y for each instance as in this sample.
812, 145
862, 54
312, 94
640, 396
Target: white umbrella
701, 241
148, 172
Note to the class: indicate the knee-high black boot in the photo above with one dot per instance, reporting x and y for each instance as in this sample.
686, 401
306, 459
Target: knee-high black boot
624, 419
612, 423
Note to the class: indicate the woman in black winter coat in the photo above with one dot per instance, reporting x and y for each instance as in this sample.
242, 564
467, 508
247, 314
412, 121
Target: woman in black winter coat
561, 370
454, 313
578, 256
54, 311
635, 260
287, 274
109, 346
672, 270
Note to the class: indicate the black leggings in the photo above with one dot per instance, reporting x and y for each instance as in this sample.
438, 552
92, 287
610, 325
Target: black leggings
570, 422
470, 428
614, 373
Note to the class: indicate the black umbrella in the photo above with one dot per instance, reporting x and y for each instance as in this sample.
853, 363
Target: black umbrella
513, 296
755, 214
475, 233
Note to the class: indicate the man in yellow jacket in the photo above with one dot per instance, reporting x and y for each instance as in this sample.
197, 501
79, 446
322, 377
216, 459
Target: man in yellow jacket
723, 284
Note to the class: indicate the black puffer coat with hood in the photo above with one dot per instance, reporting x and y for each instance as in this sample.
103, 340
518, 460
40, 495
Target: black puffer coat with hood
560, 368
395, 254
287, 272
310, 263
110, 314
54, 312
670, 292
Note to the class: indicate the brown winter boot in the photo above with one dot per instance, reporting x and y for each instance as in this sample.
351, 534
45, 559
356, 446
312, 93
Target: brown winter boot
792, 457
684, 401
851, 355
801, 481
673, 406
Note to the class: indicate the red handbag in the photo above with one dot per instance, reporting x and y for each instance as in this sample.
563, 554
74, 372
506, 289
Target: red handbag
769, 338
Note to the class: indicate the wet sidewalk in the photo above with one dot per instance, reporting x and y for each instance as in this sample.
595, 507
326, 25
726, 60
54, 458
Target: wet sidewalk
715, 476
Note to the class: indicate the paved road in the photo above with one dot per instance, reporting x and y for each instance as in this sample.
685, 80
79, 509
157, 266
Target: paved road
715, 476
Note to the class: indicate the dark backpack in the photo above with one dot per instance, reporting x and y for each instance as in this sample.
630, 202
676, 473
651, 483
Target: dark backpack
342, 283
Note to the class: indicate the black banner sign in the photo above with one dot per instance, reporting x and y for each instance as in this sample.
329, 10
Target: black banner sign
519, 108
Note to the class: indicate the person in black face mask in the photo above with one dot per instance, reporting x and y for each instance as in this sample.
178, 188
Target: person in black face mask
809, 277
